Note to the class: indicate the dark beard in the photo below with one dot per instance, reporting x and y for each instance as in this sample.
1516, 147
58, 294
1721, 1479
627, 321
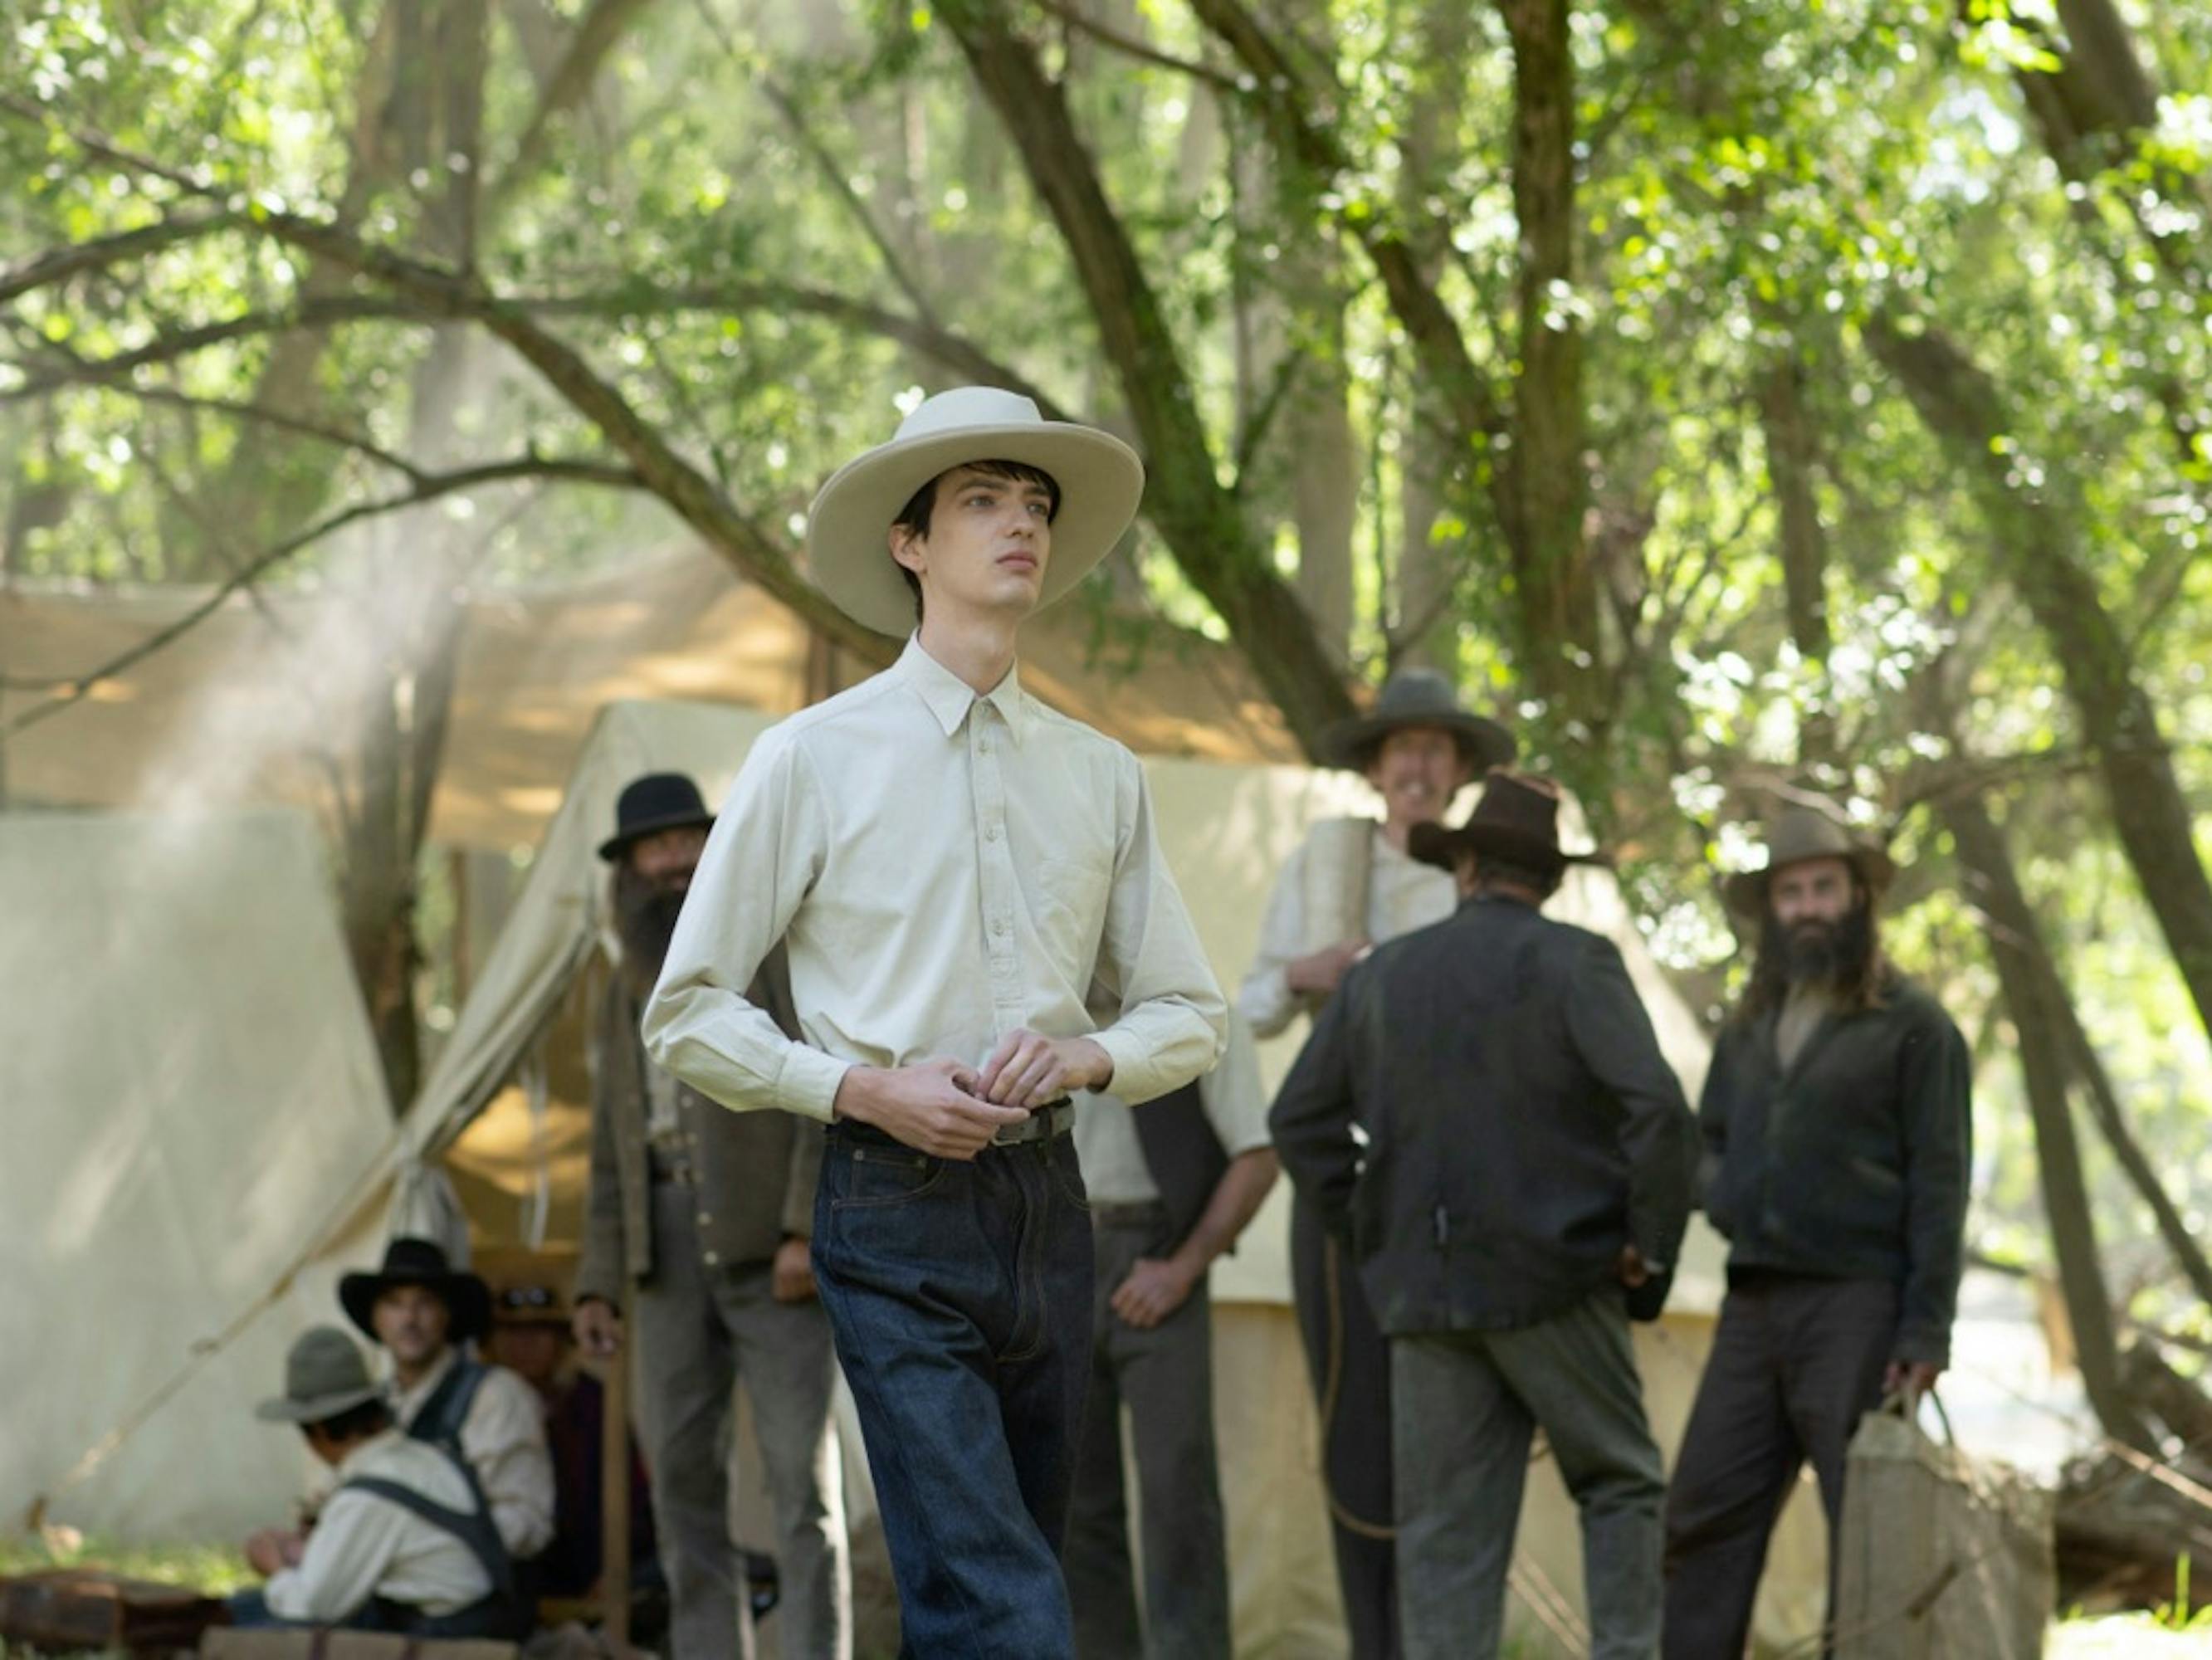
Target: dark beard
1822, 953
645, 921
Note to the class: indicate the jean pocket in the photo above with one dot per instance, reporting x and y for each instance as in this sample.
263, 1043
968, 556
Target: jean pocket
886, 1176
1066, 1172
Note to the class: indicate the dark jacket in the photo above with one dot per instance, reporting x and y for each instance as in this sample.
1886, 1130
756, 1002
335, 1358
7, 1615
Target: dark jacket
756, 1171
1852, 1163
1522, 1124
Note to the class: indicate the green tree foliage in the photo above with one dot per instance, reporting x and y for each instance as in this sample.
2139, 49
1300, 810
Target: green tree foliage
1801, 392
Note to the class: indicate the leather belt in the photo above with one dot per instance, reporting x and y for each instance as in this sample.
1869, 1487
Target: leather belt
1055, 1118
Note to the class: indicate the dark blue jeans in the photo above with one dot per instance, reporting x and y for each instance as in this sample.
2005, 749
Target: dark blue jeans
959, 1295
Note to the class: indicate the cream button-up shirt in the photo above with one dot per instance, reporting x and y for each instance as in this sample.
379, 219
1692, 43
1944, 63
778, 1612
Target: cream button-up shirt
503, 1438
1403, 894
1112, 1153
364, 1545
942, 869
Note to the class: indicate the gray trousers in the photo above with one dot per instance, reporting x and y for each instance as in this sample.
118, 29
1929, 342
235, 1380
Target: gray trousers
698, 1330
1166, 1376
1795, 1364
1462, 1408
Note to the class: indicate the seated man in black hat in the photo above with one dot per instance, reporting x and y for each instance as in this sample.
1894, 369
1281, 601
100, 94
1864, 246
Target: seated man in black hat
422, 1313
1523, 1189
404, 1543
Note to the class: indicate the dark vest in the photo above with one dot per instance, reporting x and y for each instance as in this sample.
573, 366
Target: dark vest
502, 1613
1185, 1157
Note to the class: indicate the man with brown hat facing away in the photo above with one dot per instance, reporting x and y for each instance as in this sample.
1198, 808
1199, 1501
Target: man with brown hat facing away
708, 1214
1352, 884
1521, 1192
979, 921
404, 1543
424, 1313
1838, 1125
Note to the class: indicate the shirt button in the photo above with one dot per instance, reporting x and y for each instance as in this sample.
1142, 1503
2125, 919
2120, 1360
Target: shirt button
999, 927
705, 1220
711, 1259
990, 832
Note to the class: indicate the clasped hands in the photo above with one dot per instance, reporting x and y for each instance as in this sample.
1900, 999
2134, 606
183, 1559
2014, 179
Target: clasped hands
951, 1110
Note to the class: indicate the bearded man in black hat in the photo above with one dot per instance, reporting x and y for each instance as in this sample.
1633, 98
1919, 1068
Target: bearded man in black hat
425, 1314
706, 1213
1837, 1119
1520, 1194
1351, 886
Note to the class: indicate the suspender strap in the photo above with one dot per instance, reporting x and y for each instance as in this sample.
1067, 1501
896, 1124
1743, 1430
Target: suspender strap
442, 1415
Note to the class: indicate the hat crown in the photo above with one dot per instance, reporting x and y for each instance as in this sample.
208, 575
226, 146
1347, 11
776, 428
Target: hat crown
409, 1253
969, 406
324, 1362
1411, 693
1511, 802
1803, 832
656, 796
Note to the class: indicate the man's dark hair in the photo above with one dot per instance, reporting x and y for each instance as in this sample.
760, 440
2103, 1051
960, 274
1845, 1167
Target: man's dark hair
1542, 880
914, 516
1851, 961
355, 1423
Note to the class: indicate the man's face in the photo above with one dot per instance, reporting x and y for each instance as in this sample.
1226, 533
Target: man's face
667, 858
533, 1350
1814, 900
988, 544
1417, 771
412, 1322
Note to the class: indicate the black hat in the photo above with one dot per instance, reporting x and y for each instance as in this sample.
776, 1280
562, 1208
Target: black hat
412, 1262
1517, 818
1417, 697
658, 801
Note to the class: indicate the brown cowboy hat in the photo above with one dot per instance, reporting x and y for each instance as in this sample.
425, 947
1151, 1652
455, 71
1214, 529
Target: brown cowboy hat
1417, 697
1517, 818
1801, 831
412, 1262
528, 1287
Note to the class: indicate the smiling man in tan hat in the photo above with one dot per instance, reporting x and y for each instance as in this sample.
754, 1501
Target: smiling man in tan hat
1837, 1122
1352, 884
1519, 1196
979, 921
404, 1544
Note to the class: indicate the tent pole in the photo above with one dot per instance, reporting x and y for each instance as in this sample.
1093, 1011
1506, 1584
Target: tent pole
614, 1496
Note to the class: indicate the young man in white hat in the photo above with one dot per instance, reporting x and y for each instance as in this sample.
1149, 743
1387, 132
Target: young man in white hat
979, 921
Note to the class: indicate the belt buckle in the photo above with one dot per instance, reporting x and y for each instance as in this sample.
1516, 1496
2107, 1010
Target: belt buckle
1012, 1136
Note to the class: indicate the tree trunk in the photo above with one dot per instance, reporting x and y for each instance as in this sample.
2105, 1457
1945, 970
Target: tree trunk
2034, 530
1202, 522
2031, 988
1803, 546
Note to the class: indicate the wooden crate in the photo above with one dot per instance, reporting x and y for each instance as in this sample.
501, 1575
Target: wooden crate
64, 1609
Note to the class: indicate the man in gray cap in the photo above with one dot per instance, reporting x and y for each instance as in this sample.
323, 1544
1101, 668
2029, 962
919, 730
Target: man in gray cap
1350, 886
1838, 1119
405, 1541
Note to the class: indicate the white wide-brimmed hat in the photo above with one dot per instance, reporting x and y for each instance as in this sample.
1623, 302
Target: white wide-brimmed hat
848, 550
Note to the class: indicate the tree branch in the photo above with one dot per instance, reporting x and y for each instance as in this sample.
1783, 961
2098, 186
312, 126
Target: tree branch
56, 265
1129, 46
429, 488
596, 36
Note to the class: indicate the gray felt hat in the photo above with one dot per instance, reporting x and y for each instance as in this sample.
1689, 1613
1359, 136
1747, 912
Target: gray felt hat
324, 1376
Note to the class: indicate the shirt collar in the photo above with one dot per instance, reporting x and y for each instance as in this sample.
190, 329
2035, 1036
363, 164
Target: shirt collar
948, 698
405, 1402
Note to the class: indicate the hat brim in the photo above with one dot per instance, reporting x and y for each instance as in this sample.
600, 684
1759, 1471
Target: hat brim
611, 849
1744, 892
847, 532
466, 1295
1438, 845
1351, 743
283, 1409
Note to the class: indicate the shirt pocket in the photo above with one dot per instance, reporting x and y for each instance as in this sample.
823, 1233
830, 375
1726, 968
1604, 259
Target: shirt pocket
1071, 913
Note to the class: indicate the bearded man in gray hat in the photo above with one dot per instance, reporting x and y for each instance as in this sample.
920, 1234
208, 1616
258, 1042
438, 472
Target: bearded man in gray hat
979, 922
1837, 1124
1351, 886
404, 1544
706, 1213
